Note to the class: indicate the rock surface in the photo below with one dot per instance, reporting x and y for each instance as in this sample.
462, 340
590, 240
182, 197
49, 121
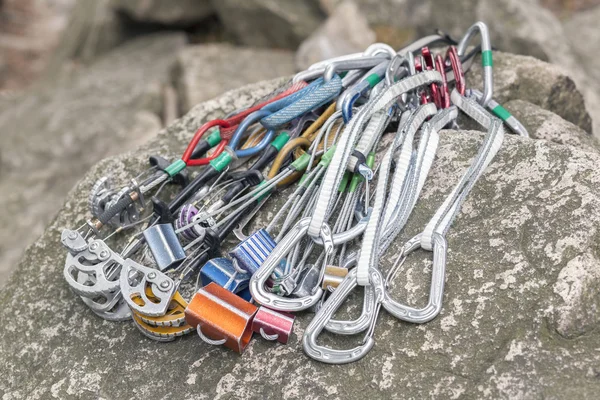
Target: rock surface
581, 29
172, 12
544, 124
203, 72
345, 31
584, 39
546, 85
520, 302
53, 134
269, 23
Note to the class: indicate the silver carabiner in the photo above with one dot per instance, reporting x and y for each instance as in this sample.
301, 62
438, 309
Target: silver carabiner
258, 280
348, 235
373, 50
514, 124
436, 290
331, 68
486, 58
352, 327
289, 241
316, 326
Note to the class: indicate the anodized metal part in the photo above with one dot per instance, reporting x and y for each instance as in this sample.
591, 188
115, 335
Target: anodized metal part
174, 316
252, 252
222, 272
273, 325
186, 217
333, 276
160, 333
221, 317
164, 245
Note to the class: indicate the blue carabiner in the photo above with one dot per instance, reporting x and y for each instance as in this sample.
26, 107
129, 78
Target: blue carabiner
284, 111
241, 129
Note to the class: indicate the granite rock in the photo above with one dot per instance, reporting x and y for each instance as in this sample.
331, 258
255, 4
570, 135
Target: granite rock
546, 85
30, 32
94, 29
269, 23
202, 72
585, 39
520, 304
544, 124
581, 30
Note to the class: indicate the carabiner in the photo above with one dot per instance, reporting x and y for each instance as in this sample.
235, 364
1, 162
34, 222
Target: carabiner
259, 279
366, 83
436, 290
361, 323
486, 58
332, 68
242, 127
289, 241
360, 63
229, 123
458, 74
316, 326
197, 136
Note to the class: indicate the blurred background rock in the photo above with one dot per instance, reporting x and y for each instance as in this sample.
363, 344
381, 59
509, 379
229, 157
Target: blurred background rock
84, 79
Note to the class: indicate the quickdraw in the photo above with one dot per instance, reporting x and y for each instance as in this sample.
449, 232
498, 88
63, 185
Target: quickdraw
319, 135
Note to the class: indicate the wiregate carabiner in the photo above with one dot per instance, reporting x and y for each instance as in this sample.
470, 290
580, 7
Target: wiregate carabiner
334, 67
372, 50
316, 326
436, 290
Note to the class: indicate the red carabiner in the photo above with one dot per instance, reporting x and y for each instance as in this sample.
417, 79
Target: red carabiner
440, 66
229, 126
459, 75
430, 64
198, 135
206, 160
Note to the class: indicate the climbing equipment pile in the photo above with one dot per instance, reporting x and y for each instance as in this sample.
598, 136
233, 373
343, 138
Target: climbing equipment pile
350, 142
